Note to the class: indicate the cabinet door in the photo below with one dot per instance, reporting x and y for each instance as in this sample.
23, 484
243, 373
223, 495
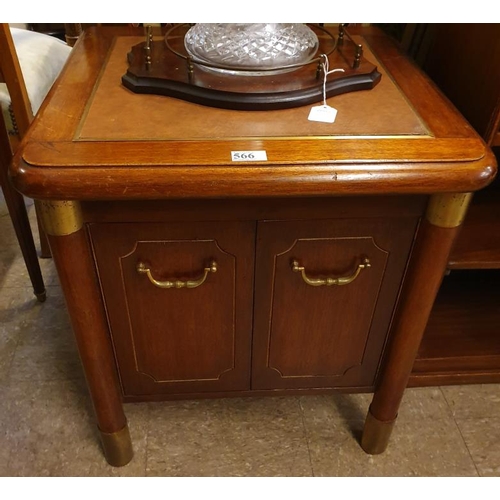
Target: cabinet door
310, 334
169, 337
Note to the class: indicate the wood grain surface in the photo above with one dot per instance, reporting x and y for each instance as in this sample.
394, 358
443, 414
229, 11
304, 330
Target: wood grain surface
402, 136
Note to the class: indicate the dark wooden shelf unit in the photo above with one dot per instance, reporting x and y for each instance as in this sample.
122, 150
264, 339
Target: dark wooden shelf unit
478, 245
462, 339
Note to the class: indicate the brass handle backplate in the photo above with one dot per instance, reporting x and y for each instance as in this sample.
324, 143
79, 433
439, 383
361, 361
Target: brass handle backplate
143, 269
343, 280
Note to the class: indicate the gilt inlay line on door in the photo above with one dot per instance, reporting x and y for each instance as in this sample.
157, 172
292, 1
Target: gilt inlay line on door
381, 271
219, 249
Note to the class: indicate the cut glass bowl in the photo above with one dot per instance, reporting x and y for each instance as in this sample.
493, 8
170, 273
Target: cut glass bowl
251, 49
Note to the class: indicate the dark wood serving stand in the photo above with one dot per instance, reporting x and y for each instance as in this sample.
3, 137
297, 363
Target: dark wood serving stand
313, 271
157, 67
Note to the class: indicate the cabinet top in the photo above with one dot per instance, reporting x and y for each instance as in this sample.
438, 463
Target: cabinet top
95, 139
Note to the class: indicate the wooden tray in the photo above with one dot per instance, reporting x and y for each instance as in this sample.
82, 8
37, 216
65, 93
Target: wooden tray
155, 69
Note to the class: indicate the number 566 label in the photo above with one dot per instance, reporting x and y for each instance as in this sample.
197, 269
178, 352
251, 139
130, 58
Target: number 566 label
248, 156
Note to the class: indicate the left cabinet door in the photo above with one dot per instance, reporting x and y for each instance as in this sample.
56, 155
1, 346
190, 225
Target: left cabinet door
185, 325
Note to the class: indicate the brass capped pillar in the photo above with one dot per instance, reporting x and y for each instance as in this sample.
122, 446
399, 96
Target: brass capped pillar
444, 215
63, 223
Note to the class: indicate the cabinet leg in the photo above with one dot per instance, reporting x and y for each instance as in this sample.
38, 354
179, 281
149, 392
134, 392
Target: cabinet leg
72, 256
437, 233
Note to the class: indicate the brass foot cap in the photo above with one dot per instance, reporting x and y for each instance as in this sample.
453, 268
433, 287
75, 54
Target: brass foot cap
117, 447
376, 435
41, 297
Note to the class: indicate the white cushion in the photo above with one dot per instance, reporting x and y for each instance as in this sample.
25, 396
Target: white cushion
41, 58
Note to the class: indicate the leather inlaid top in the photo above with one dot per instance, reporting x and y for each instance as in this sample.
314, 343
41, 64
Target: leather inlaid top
116, 113
95, 140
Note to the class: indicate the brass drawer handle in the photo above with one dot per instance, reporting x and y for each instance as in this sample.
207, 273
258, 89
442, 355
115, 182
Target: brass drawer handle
343, 280
142, 269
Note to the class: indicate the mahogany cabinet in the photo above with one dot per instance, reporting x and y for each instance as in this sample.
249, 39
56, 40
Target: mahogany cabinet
188, 272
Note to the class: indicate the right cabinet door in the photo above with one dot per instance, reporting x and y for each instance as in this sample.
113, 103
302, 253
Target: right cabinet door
324, 296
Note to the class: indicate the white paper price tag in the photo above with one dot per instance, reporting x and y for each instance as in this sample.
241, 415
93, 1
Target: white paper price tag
325, 114
248, 156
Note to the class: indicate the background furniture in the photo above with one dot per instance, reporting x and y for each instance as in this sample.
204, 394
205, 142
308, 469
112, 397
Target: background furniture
30, 63
462, 340
19, 216
68, 32
19, 107
187, 274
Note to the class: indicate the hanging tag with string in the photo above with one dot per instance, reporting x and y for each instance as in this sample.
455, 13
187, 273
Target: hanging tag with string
324, 113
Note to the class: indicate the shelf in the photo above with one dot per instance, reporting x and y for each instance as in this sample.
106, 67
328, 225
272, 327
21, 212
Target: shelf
478, 244
463, 333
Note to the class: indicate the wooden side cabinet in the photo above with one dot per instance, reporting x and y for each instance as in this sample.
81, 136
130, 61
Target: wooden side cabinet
189, 273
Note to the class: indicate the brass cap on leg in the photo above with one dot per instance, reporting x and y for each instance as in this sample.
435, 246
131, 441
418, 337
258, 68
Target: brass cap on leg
448, 209
376, 435
117, 447
60, 217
